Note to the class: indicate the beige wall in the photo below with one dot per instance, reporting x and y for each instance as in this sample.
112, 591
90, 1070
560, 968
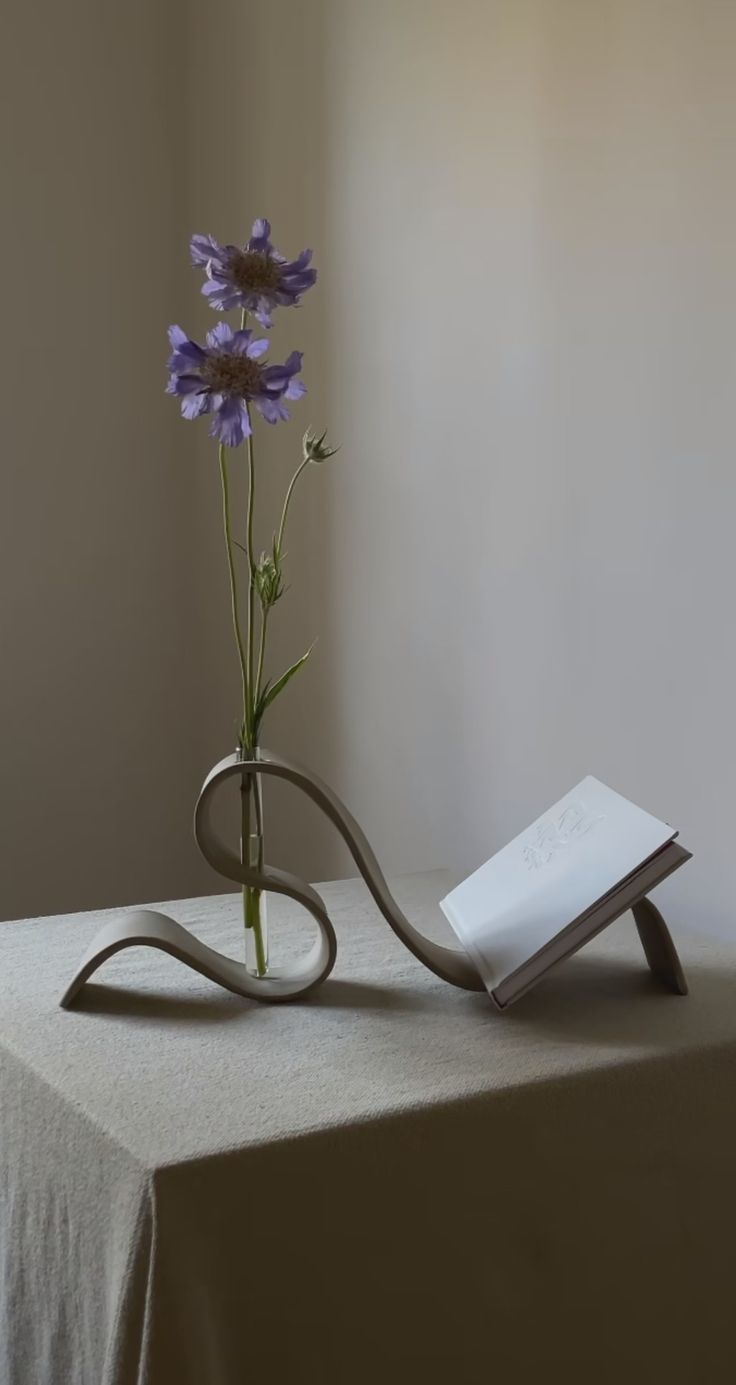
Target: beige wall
99, 660
521, 567
531, 219
125, 127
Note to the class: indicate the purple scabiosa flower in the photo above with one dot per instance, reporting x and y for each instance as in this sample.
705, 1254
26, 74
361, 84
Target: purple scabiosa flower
227, 374
253, 276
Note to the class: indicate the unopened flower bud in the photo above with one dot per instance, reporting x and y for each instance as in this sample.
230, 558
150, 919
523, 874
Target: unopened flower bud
267, 580
316, 449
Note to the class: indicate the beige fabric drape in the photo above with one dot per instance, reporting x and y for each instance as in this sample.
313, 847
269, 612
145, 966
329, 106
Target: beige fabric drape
388, 1181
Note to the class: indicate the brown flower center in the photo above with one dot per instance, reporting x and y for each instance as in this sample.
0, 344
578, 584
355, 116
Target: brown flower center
254, 272
226, 373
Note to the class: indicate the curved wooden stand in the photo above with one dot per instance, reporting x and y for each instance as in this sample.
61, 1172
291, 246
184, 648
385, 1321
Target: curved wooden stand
147, 928
659, 949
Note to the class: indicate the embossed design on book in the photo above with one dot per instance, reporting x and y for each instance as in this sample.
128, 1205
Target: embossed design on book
557, 834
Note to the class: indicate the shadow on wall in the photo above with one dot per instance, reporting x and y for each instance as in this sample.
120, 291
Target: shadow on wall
269, 92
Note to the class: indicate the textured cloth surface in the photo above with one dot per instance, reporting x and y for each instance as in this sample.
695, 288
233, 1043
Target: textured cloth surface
388, 1179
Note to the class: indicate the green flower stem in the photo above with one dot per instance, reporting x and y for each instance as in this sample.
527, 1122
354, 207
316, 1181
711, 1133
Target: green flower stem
252, 678
287, 502
251, 896
233, 583
261, 652
246, 892
253, 920
261, 960
250, 721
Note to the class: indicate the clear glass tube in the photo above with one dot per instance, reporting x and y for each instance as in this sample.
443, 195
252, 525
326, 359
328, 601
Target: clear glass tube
255, 916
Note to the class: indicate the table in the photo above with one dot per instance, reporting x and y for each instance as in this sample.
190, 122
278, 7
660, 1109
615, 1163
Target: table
385, 1182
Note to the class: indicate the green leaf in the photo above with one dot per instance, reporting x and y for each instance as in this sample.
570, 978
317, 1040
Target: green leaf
272, 690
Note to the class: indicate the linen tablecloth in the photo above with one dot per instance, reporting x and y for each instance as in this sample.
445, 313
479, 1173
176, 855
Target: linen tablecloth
386, 1182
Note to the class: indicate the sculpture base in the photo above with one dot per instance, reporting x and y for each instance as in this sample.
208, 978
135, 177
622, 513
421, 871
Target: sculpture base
147, 928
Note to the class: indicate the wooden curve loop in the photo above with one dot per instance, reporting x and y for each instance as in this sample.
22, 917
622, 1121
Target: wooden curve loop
148, 928
448, 963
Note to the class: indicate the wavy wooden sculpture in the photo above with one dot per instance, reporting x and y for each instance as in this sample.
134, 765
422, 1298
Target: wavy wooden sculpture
148, 928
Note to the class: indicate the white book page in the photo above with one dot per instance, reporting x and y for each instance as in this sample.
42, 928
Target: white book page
549, 875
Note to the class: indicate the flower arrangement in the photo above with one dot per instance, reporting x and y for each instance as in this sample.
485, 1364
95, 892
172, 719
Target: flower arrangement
230, 379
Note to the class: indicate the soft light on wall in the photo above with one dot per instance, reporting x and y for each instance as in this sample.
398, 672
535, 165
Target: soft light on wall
520, 568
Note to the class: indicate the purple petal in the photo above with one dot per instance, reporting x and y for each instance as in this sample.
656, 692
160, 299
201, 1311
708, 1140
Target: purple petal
186, 352
192, 351
231, 423
185, 384
259, 235
262, 313
205, 248
192, 405
299, 283
274, 380
241, 339
257, 348
277, 377
177, 336
295, 389
221, 296
214, 286
300, 263
221, 337
271, 409
179, 364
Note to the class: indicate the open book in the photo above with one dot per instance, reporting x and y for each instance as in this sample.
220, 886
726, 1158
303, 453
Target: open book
577, 868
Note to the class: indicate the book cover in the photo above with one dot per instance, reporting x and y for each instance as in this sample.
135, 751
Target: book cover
556, 870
